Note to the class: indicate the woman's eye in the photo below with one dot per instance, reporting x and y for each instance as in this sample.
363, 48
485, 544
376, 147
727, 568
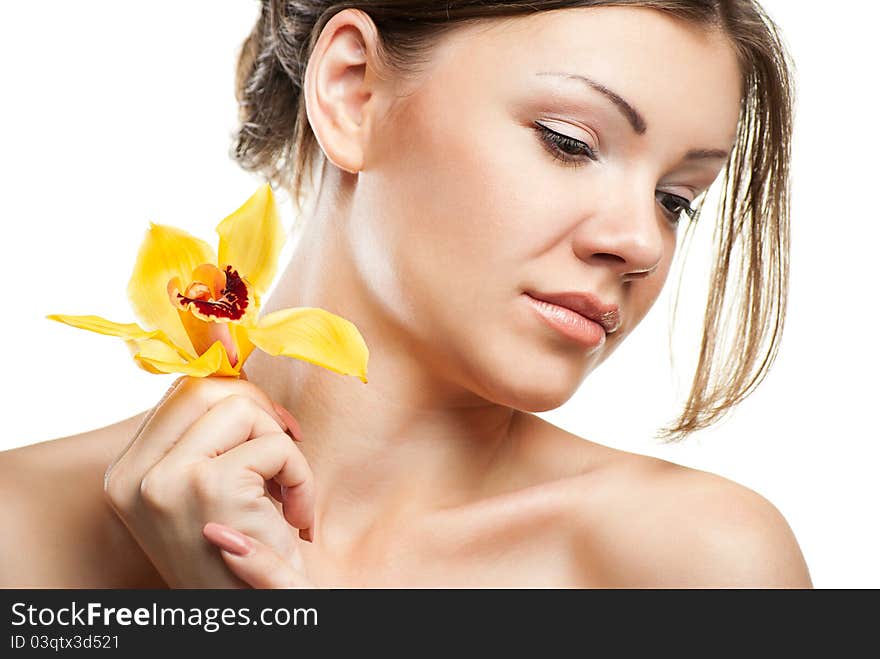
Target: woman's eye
565, 149
675, 206
574, 152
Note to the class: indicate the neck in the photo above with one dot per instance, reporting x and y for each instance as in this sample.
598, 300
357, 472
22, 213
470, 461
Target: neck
408, 442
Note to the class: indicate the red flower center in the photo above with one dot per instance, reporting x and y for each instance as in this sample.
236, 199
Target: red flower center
231, 304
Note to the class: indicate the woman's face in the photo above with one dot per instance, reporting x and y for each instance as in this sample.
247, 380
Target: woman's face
476, 209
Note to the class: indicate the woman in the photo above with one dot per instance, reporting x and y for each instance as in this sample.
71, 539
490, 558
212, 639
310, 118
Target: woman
474, 158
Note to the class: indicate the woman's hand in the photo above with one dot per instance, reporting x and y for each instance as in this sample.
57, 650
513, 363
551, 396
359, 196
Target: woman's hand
210, 450
255, 563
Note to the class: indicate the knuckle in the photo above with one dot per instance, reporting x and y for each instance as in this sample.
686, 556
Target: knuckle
204, 482
281, 443
151, 490
114, 489
187, 385
247, 387
239, 404
254, 507
201, 391
301, 459
252, 392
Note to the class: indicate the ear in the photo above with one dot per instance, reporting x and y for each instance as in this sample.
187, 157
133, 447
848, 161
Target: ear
339, 86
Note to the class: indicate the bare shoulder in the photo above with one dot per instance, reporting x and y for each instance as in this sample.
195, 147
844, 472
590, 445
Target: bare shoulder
54, 511
650, 523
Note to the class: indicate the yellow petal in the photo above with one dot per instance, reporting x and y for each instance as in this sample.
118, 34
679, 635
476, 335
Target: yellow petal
104, 326
244, 346
135, 337
226, 368
166, 252
313, 335
157, 347
159, 357
144, 365
251, 240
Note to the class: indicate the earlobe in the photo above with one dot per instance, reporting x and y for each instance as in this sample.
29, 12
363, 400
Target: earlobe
336, 89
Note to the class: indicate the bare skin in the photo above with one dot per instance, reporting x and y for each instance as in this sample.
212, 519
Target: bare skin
439, 206
566, 520
63, 532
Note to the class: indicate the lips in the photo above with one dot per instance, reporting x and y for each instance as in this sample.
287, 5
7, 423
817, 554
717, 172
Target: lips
587, 305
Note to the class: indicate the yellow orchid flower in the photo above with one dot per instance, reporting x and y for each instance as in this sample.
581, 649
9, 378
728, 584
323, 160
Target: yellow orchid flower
202, 309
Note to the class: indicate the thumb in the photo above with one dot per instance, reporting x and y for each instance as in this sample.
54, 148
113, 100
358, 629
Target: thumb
252, 561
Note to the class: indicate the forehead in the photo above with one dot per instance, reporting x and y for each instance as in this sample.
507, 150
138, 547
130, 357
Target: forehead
664, 66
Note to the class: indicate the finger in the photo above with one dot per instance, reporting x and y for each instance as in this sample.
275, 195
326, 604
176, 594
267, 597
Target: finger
252, 561
274, 456
190, 399
230, 422
289, 420
274, 489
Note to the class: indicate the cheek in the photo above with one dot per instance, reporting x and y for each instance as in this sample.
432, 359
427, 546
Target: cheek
455, 215
642, 295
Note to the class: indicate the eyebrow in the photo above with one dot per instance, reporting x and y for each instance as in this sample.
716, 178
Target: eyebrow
632, 115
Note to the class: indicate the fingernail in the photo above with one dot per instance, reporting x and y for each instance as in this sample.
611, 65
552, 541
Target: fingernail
306, 534
291, 423
228, 539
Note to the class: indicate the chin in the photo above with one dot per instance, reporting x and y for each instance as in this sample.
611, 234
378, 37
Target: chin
538, 396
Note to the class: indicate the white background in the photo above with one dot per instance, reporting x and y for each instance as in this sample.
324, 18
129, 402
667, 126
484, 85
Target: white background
113, 117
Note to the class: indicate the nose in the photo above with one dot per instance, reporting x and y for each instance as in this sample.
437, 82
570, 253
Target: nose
623, 234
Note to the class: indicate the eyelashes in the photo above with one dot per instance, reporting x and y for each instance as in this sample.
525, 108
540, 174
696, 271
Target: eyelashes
571, 153
563, 148
683, 206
